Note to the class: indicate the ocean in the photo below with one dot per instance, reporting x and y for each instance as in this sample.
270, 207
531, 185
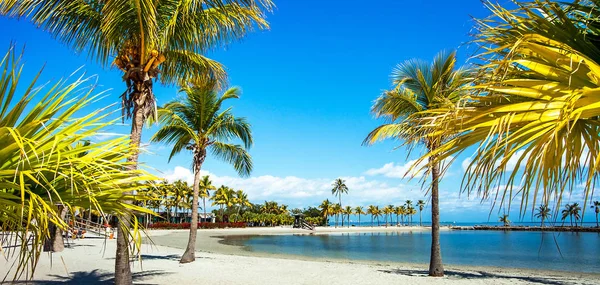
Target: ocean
564, 251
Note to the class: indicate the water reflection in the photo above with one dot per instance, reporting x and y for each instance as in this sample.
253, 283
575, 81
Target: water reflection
555, 251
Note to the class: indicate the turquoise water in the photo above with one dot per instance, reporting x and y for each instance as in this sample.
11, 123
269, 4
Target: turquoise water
535, 250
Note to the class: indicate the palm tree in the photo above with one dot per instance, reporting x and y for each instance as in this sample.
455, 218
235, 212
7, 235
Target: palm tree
411, 212
504, 219
387, 211
348, 211
597, 210
530, 104
418, 87
179, 193
403, 212
377, 212
567, 213
339, 188
574, 212
242, 200
204, 191
51, 162
373, 211
421, 205
198, 124
543, 212
326, 210
224, 198
398, 211
359, 211
336, 210
141, 36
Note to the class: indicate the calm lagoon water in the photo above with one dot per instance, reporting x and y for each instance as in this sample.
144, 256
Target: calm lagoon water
536, 250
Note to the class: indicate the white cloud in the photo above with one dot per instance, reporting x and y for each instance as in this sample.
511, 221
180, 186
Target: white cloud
465, 163
303, 192
399, 171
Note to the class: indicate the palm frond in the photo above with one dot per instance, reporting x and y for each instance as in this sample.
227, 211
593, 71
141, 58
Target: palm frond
234, 154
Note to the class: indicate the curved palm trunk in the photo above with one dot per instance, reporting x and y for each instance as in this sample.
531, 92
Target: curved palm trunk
420, 218
190, 251
122, 268
436, 268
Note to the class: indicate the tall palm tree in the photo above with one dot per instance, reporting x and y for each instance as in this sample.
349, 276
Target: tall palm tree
339, 188
387, 211
377, 212
420, 86
145, 38
348, 211
204, 188
421, 205
411, 212
359, 211
597, 210
372, 210
543, 212
531, 104
197, 123
574, 212
398, 211
504, 219
326, 210
403, 212
336, 210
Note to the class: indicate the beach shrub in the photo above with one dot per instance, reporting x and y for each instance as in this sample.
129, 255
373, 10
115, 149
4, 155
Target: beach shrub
203, 225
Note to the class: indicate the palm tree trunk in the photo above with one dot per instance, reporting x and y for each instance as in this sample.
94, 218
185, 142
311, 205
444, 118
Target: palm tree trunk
420, 218
359, 220
340, 196
372, 222
204, 207
597, 220
190, 251
122, 268
571, 220
436, 267
56, 243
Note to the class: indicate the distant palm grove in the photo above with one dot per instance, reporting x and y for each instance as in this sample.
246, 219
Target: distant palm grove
529, 104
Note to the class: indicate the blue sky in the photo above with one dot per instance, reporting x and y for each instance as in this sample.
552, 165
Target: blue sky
308, 84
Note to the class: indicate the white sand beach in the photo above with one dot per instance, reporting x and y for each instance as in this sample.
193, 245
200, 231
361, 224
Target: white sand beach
91, 261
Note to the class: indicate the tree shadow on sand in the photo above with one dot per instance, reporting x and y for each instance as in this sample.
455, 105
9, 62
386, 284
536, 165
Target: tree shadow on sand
94, 277
483, 275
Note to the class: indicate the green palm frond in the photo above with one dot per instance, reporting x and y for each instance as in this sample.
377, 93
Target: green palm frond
536, 105
233, 154
44, 162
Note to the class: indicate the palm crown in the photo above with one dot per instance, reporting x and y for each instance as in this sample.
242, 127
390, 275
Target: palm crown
197, 123
141, 35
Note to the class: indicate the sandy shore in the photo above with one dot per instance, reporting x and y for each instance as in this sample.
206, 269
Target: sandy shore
91, 261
